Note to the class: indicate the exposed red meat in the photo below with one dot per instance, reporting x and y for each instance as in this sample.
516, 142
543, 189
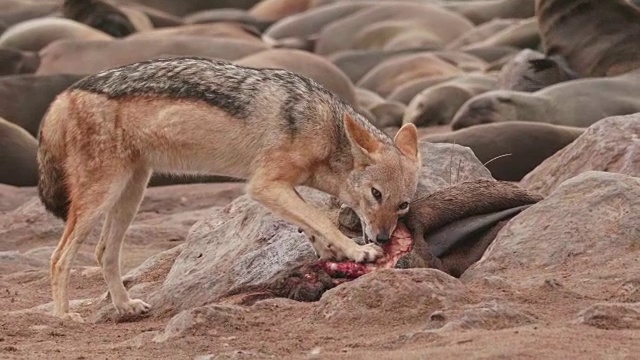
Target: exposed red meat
308, 282
400, 244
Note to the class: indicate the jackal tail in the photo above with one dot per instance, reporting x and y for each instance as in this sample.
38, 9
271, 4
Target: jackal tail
52, 187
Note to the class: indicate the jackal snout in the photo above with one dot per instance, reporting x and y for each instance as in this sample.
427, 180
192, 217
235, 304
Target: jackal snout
380, 222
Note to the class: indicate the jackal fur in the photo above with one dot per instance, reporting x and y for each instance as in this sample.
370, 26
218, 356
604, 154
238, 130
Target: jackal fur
102, 138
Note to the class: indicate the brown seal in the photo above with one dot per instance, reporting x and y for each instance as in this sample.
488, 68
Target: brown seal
384, 113
481, 32
357, 63
524, 34
407, 91
531, 71
597, 38
182, 8
511, 149
439, 103
480, 12
390, 74
280, 9
228, 30
18, 165
579, 103
27, 11
90, 57
307, 64
24, 99
236, 16
344, 34
100, 15
14, 62
35, 34
453, 227
310, 23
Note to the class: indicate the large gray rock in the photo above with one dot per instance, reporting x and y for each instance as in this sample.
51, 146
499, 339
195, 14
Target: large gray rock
585, 232
611, 145
447, 164
238, 247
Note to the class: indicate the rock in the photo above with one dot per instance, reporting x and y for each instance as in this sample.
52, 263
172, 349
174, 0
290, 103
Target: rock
204, 320
43, 254
74, 306
235, 355
166, 213
349, 219
586, 231
155, 268
11, 197
490, 316
239, 247
14, 261
611, 316
144, 279
29, 225
611, 145
447, 164
180, 198
629, 291
377, 296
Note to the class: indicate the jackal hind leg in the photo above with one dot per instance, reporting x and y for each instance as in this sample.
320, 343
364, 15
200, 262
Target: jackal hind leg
121, 216
88, 203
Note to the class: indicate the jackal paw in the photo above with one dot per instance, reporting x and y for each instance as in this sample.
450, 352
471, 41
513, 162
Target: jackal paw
133, 307
71, 316
364, 253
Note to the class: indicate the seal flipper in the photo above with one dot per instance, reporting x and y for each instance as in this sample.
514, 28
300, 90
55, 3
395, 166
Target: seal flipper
459, 232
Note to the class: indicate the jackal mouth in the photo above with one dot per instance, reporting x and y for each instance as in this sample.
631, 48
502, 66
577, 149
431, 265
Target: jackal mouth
367, 240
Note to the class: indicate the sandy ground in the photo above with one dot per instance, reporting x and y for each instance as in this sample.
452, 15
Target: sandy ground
284, 329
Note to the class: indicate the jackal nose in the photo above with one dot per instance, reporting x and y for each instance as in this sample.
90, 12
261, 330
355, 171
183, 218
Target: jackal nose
383, 238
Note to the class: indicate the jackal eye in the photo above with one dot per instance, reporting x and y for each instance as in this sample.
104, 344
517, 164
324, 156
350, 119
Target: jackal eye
403, 206
376, 194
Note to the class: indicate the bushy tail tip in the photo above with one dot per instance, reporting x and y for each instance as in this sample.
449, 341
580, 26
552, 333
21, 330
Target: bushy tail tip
52, 188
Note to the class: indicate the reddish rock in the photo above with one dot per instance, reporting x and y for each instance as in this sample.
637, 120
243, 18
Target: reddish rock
611, 145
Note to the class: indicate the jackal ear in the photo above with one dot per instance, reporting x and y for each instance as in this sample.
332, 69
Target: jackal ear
406, 140
363, 143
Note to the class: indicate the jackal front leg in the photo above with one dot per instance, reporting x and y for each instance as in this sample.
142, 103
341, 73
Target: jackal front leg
282, 199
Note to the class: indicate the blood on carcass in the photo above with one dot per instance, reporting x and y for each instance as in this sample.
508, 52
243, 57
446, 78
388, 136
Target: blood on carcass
400, 244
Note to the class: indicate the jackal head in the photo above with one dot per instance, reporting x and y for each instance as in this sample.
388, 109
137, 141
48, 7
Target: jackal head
384, 178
